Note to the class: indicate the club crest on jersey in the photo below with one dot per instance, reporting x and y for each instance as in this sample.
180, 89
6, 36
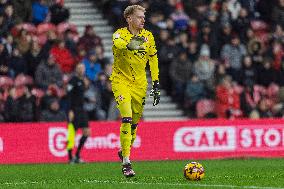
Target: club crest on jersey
120, 98
116, 35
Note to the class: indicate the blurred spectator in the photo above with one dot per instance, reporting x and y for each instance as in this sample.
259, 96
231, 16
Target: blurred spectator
93, 67
204, 68
193, 52
166, 54
70, 43
263, 109
234, 7
50, 94
58, 13
27, 109
92, 103
224, 36
232, 54
225, 15
48, 73
63, 57
33, 58
17, 63
9, 16
278, 13
180, 73
53, 113
9, 44
101, 57
248, 73
23, 41
195, 90
249, 98
266, 74
51, 40
4, 27
11, 107
208, 37
23, 10
40, 11
242, 23
227, 99
89, 40
250, 5
4, 59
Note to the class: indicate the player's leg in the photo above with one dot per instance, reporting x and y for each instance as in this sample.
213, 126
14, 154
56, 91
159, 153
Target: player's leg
70, 140
137, 105
82, 121
123, 99
125, 130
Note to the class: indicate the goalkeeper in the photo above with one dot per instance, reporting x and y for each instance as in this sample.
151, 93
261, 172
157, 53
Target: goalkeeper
133, 47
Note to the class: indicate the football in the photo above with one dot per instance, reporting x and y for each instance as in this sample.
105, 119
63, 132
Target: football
194, 171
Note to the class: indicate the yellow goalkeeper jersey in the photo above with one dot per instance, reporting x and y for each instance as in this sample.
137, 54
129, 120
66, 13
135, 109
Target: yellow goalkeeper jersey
129, 66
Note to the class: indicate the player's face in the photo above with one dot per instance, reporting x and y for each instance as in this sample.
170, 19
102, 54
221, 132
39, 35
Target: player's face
137, 19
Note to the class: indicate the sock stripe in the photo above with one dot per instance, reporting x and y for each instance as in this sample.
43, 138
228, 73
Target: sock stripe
126, 120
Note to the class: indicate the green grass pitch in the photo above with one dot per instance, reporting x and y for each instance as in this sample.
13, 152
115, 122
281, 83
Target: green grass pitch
230, 173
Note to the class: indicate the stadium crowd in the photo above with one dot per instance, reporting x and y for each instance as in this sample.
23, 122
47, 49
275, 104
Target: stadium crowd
217, 58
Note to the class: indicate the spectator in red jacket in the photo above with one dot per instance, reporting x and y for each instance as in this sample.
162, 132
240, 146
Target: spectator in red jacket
227, 99
63, 57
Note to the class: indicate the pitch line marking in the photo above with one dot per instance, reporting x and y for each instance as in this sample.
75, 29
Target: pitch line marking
144, 183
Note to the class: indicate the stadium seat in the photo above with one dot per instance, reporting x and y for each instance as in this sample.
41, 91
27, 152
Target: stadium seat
62, 27
6, 82
45, 27
29, 27
258, 25
204, 107
22, 80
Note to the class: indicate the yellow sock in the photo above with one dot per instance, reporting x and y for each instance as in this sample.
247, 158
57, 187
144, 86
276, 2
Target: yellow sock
125, 139
70, 136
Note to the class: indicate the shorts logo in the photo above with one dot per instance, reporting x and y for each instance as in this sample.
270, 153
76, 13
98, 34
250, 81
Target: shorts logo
124, 132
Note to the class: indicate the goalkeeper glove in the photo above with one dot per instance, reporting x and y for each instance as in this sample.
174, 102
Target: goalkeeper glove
155, 92
136, 43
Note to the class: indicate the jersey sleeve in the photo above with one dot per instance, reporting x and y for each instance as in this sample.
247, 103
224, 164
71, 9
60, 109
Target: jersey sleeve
153, 59
118, 41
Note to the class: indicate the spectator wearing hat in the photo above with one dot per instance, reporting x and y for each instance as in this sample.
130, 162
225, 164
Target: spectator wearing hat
92, 65
47, 73
90, 39
204, 67
180, 18
53, 113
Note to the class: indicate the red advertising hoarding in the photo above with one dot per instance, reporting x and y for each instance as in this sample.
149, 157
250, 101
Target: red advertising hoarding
188, 140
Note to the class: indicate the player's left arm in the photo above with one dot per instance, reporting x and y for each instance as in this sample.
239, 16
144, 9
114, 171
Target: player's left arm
154, 68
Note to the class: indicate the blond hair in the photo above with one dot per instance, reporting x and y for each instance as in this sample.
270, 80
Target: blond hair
131, 9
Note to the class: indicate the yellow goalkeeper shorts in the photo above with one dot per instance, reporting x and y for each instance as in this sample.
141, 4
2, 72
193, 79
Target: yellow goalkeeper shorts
124, 92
